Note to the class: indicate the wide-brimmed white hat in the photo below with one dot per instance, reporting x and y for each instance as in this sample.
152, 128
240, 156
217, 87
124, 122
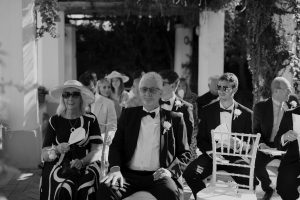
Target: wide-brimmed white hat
86, 94
115, 74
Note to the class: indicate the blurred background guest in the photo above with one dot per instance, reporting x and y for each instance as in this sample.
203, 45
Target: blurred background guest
104, 109
119, 95
134, 99
87, 80
209, 96
184, 92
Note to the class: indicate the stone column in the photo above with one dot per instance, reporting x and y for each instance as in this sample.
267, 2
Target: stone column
18, 63
51, 56
70, 52
211, 47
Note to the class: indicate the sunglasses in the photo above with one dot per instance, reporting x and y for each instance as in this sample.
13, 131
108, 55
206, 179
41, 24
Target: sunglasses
69, 94
151, 90
224, 88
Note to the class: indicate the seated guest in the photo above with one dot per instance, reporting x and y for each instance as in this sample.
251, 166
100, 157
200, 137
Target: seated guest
87, 80
289, 169
69, 170
150, 149
104, 109
227, 111
134, 96
118, 94
169, 101
184, 92
266, 119
209, 96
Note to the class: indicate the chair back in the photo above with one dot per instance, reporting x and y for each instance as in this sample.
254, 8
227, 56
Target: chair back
237, 145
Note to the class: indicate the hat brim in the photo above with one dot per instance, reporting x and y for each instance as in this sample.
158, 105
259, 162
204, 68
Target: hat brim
123, 77
86, 94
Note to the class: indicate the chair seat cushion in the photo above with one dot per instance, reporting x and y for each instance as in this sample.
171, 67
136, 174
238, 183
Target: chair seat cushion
141, 195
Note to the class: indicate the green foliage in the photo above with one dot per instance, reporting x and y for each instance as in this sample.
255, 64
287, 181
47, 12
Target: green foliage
133, 44
48, 10
267, 49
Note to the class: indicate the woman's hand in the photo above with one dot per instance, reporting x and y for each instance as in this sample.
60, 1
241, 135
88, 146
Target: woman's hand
160, 173
290, 136
63, 147
114, 177
78, 164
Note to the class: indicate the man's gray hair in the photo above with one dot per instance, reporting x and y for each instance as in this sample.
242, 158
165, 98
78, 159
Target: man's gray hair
277, 83
154, 76
211, 78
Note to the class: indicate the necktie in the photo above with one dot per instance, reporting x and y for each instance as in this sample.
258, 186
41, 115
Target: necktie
145, 113
164, 102
224, 110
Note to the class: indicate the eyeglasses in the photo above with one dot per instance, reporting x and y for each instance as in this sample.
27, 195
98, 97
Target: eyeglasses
66, 95
224, 88
151, 90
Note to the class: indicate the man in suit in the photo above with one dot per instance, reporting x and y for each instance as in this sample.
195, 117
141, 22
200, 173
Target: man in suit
266, 119
169, 100
225, 111
289, 169
211, 95
150, 149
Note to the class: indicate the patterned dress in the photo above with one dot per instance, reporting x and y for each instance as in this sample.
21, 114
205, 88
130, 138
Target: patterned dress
55, 183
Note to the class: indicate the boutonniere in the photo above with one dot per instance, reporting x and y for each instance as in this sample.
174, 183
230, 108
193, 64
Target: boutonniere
177, 104
167, 125
236, 113
293, 104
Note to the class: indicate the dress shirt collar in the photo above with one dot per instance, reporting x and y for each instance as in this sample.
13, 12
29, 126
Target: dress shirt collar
229, 108
156, 110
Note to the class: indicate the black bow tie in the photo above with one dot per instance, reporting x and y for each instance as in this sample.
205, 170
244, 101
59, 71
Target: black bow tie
145, 113
224, 110
164, 102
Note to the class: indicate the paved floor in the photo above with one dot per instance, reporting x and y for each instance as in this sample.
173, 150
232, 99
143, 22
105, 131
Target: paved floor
25, 187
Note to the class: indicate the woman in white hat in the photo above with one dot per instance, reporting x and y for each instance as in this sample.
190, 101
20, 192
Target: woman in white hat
71, 146
119, 95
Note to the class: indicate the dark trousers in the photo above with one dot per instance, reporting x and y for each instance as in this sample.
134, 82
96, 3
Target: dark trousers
262, 160
201, 168
134, 181
287, 181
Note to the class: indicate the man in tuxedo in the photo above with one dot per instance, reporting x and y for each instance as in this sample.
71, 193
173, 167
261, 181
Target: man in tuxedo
169, 100
289, 169
266, 119
227, 111
149, 151
210, 96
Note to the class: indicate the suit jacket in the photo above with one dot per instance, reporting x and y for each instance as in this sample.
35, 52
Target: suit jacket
263, 117
204, 100
210, 119
104, 109
187, 110
292, 149
174, 149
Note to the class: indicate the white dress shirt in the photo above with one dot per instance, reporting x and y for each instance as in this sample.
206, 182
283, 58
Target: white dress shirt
225, 117
169, 107
146, 155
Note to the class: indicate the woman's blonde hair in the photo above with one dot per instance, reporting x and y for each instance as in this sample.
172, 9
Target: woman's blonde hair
62, 107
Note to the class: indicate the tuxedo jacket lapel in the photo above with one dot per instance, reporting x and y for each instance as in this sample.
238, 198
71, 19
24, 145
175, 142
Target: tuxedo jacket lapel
234, 123
162, 135
135, 130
